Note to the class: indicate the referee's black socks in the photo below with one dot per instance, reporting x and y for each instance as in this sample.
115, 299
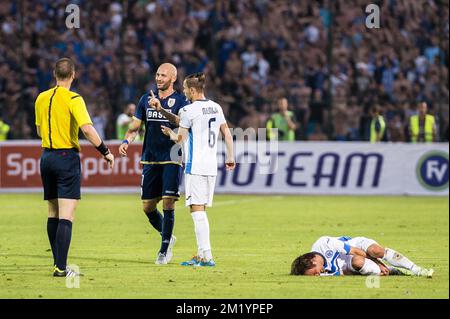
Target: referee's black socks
156, 219
167, 229
63, 238
52, 227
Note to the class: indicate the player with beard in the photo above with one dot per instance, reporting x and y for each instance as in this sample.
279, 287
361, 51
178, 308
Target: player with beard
161, 174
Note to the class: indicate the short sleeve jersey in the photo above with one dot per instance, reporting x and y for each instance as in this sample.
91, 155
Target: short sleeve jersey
59, 113
330, 248
203, 118
157, 146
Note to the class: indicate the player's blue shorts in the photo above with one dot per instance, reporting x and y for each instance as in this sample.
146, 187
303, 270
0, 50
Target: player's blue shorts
61, 173
160, 181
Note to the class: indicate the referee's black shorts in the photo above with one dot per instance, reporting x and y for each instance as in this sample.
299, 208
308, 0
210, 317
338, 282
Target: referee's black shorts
61, 173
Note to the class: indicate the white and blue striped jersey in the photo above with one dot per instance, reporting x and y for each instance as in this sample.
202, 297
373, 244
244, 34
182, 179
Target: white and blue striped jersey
203, 119
331, 248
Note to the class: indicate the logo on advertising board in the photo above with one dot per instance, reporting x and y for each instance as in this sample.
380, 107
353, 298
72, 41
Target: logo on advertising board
432, 171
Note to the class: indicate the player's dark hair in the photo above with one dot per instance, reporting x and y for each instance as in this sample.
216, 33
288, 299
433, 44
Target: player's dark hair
64, 68
196, 81
302, 263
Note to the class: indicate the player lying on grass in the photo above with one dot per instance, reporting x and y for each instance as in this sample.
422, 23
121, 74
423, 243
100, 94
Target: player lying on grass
348, 256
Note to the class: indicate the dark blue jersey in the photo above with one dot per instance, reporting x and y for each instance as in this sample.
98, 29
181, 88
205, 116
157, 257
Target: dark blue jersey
157, 146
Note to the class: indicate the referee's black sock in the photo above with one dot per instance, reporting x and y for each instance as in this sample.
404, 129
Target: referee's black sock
63, 237
167, 229
156, 219
52, 227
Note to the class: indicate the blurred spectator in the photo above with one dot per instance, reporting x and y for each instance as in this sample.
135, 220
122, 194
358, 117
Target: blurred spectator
284, 121
317, 112
422, 126
4, 129
377, 125
251, 119
340, 126
124, 120
395, 129
248, 49
99, 121
317, 134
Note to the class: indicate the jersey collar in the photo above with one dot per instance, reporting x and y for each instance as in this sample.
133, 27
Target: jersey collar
157, 95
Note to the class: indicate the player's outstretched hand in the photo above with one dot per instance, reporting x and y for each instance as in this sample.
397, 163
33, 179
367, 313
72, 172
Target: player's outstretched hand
110, 159
230, 164
123, 149
153, 101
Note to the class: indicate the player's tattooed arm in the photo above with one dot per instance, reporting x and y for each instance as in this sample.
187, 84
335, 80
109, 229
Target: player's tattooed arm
133, 131
178, 137
173, 119
156, 104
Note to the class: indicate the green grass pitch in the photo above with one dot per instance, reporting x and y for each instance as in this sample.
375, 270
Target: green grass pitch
254, 240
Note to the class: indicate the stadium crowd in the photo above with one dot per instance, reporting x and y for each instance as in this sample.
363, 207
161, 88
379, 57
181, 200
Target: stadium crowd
253, 52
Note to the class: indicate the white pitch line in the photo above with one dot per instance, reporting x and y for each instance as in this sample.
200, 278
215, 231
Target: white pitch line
240, 201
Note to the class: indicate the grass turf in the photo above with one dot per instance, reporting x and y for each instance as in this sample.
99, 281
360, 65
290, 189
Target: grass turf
254, 240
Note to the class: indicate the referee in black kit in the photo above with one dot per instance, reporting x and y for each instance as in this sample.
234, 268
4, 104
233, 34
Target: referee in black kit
60, 113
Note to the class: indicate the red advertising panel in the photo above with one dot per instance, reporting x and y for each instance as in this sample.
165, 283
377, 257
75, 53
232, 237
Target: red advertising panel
19, 165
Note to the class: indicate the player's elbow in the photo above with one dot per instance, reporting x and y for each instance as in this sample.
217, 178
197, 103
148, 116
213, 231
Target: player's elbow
87, 130
134, 126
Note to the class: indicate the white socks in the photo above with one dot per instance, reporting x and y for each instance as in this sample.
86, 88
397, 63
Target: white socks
201, 226
370, 268
398, 260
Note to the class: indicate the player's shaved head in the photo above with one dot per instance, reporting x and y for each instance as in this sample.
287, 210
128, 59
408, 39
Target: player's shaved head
166, 75
64, 69
169, 69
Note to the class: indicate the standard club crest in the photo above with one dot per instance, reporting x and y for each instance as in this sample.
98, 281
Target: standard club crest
171, 102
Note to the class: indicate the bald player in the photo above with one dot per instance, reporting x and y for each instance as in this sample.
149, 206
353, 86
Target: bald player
161, 174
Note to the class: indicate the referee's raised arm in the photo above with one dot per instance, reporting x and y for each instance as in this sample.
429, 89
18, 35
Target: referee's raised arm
60, 113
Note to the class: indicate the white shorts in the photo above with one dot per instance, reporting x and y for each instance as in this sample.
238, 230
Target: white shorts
362, 243
346, 267
345, 264
345, 261
199, 189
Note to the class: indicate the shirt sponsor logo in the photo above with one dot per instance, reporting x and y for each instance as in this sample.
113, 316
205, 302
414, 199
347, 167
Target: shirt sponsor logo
153, 115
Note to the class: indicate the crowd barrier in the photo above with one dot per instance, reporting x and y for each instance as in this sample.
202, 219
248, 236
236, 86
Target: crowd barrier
319, 168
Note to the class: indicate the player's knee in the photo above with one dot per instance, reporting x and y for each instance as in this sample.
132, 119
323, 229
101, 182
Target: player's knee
168, 203
375, 251
149, 206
